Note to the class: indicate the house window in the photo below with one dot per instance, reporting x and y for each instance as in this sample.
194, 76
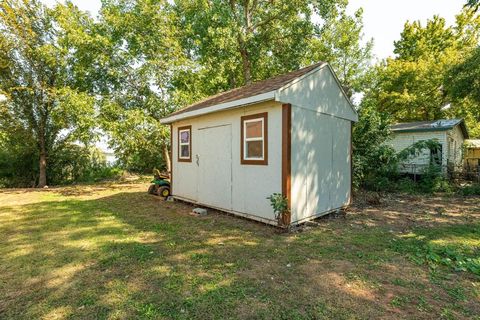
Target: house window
436, 156
254, 142
185, 144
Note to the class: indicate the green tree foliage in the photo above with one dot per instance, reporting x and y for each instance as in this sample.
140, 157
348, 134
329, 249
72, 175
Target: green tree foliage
76, 163
43, 109
232, 43
464, 78
462, 83
374, 161
237, 42
411, 86
129, 57
339, 41
474, 4
160, 56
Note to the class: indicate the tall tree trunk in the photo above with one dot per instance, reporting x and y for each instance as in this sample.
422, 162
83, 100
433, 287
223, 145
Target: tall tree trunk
247, 73
166, 156
42, 181
242, 38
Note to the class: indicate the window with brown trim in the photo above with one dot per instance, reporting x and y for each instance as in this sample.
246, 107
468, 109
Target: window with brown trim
185, 144
254, 139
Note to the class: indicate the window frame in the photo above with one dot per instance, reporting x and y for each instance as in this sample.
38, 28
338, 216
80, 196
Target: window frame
436, 156
180, 144
243, 140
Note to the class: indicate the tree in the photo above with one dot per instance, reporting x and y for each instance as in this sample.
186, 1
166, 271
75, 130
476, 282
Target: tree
474, 4
463, 79
373, 160
42, 104
233, 43
411, 85
339, 41
159, 57
132, 53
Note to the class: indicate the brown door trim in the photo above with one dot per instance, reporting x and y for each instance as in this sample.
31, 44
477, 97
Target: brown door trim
287, 157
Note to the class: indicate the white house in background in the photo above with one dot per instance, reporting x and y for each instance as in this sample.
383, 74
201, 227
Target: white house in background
450, 133
290, 134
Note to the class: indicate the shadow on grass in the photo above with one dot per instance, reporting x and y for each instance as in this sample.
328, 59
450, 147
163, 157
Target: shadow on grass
131, 255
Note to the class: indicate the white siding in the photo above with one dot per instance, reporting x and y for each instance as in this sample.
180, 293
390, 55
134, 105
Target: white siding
321, 171
251, 184
319, 91
455, 141
403, 140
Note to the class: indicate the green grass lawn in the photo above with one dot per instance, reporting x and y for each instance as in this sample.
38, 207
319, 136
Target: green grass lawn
99, 252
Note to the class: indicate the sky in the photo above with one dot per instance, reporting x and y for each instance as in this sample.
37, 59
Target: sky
383, 19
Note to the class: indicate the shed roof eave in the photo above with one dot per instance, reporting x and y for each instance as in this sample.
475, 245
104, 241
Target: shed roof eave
220, 107
420, 130
461, 125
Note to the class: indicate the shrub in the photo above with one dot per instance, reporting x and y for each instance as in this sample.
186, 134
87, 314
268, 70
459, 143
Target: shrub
374, 162
279, 205
70, 164
74, 164
407, 185
432, 180
470, 190
18, 166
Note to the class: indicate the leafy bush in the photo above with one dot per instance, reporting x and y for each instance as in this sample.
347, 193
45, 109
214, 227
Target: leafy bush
406, 185
374, 162
69, 164
432, 180
279, 204
74, 163
18, 163
470, 190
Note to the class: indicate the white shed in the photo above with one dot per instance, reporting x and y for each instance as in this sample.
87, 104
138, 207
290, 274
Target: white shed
290, 134
450, 133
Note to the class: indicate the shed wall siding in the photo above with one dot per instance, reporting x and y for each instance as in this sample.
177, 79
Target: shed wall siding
403, 140
319, 92
455, 141
321, 176
251, 184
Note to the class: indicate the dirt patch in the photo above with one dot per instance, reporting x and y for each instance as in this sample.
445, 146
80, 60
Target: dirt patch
402, 212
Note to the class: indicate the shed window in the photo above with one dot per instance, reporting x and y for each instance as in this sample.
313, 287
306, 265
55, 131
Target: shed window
185, 144
254, 139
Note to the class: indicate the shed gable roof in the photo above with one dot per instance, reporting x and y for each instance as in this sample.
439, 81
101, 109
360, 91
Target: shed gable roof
432, 125
277, 89
250, 90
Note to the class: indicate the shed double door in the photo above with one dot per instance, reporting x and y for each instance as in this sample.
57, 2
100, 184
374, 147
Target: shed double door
214, 166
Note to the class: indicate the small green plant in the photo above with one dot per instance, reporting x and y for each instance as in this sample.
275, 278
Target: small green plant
407, 185
470, 190
279, 204
434, 257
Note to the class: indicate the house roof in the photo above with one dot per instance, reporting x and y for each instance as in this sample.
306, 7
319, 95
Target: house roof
250, 90
433, 125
